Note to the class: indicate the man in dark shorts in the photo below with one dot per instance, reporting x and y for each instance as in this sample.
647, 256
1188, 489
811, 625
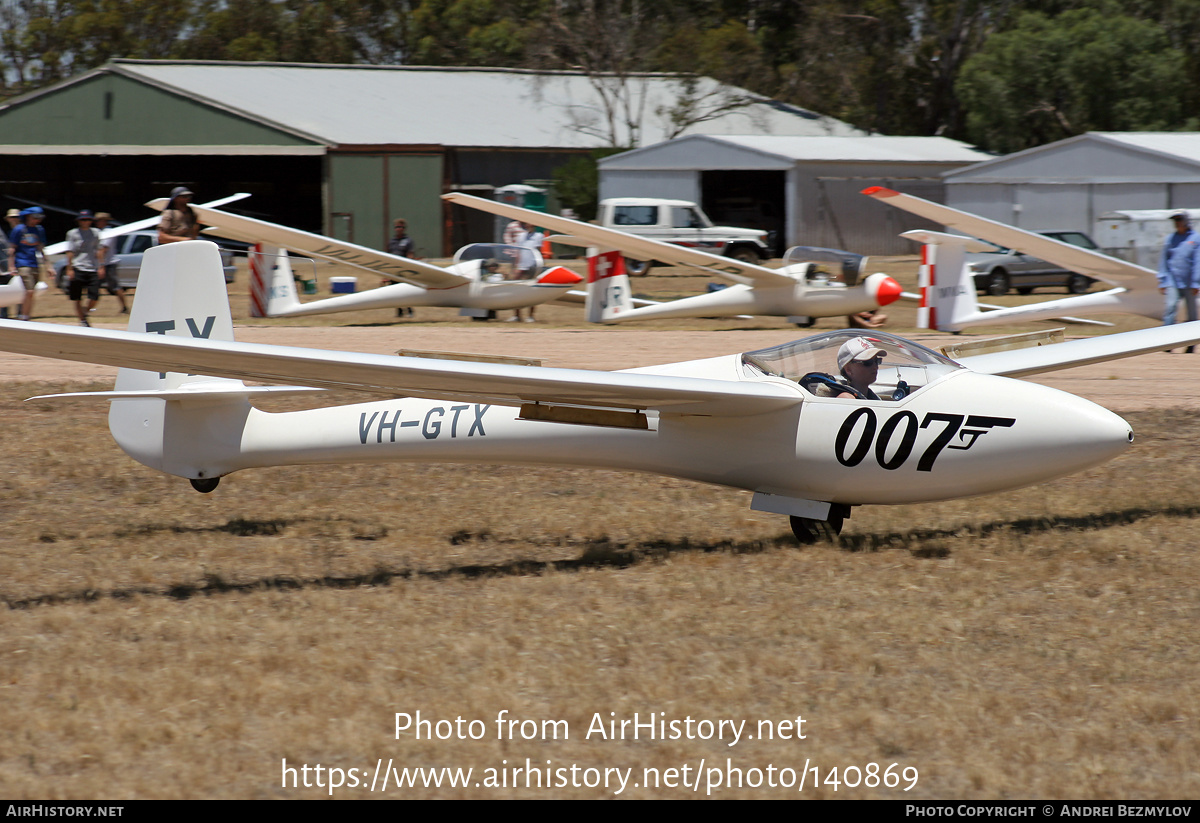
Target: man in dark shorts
108, 274
85, 260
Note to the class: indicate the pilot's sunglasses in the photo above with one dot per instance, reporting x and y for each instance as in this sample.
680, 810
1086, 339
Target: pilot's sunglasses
874, 361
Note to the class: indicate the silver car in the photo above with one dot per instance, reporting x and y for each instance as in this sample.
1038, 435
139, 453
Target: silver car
128, 258
998, 271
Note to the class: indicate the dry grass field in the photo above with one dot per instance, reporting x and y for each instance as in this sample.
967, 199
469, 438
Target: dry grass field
158, 643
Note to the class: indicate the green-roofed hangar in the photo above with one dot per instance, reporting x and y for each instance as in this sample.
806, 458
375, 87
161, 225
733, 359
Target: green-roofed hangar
340, 150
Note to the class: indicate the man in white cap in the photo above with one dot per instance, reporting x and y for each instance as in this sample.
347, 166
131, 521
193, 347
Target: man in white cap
858, 360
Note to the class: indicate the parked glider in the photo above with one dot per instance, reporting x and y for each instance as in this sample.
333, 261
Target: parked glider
795, 291
756, 421
485, 277
948, 301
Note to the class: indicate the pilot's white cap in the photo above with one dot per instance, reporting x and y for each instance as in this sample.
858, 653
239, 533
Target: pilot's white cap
858, 348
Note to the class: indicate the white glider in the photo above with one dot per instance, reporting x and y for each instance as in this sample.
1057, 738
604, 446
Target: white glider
797, 290
484, 278
948, 301
759, 421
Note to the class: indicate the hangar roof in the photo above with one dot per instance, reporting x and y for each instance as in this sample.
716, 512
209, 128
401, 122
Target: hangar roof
355, 105
782, 151
1097, 157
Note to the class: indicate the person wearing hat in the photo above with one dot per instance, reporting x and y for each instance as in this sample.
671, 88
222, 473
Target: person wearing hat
178, 220
108, 274
24, 254
1179, 270
400, 245
85, 261
858, 360
14, 218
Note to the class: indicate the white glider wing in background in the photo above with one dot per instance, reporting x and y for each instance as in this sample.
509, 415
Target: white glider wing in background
1092, 263
251, 230
802, 290
947, 283
726, 268
148, 223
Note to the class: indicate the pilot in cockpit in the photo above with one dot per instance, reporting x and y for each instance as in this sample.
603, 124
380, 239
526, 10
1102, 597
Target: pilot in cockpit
858, 361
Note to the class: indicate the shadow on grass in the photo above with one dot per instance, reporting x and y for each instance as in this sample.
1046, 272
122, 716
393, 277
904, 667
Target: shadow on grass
600, 552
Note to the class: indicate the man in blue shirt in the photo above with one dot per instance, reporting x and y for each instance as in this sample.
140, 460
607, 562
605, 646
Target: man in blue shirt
24, 254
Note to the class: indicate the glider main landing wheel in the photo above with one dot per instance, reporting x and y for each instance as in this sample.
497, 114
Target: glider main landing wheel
807, 323
809, 531
204, 485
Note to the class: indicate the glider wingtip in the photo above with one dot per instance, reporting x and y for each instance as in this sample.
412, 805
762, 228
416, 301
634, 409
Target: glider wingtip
879, 191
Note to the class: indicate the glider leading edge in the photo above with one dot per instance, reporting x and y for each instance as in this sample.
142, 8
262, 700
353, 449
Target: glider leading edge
753, 421
756, 290
485, 277
948, 287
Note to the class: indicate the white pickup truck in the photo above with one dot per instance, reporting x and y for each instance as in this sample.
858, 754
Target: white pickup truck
680, 222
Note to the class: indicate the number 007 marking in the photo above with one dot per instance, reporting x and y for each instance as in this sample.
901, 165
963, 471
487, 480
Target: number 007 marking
902, 425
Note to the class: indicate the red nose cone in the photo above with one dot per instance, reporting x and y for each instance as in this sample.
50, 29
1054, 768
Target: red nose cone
888, 292
562, 276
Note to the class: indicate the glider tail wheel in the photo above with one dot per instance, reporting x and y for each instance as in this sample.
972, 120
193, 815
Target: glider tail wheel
204, 485
810, 531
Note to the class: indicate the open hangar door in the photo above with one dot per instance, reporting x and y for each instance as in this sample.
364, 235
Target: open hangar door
748, 200
846, 219
283, 189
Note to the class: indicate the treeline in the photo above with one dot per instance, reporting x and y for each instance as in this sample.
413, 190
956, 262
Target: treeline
1003, 74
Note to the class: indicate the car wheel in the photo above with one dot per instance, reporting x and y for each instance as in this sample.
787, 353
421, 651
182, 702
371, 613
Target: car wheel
637, 268
745, 254
1078, 284
997, 282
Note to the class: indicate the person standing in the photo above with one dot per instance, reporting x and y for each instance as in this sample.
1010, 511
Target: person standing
25, 252
178, 221
108, 275
530, 242
400, 245
1179, 270
13, 217
85, 261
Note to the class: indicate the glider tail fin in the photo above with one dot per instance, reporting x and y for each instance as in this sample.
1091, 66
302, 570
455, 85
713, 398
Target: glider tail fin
608, 292
281, 282
181, 293
946, 285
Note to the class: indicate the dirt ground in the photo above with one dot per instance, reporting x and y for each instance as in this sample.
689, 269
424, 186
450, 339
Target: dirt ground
158, 643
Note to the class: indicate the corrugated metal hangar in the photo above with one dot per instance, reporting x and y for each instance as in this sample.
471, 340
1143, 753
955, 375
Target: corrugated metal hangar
805, 189
336, 149
1068, 185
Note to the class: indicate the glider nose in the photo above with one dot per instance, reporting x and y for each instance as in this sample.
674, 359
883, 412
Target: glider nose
1101, 435
883, 289
559, 276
